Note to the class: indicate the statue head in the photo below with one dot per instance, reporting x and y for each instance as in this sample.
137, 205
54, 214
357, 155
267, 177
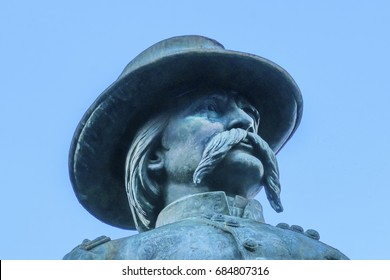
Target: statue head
185, 116
207, 142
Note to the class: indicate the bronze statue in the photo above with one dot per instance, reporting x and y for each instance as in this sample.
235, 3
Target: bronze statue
178, 147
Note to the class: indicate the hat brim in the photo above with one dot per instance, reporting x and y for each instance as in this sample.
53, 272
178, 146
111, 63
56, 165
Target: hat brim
103, 136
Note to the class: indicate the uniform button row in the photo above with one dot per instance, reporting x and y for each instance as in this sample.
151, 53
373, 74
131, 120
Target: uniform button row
310, 232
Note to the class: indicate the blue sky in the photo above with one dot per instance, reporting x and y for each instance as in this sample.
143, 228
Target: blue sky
57, 56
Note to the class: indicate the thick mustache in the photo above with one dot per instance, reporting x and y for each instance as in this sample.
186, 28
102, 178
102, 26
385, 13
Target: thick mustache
271, 171
217, 148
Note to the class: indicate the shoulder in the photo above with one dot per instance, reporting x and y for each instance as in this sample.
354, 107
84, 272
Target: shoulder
84, 251
187, 239
303, 244
211, 239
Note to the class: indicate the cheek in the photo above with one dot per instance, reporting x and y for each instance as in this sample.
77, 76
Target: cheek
191, 132
185, 141
203, 131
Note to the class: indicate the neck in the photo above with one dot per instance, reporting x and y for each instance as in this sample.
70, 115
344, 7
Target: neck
175, 191
209, 204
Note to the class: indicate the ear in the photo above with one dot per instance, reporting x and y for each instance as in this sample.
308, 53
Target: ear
155, 161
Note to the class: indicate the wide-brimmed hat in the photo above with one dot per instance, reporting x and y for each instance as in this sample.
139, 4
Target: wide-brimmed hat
161, 73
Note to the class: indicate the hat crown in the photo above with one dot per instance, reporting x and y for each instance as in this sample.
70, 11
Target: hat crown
171, 46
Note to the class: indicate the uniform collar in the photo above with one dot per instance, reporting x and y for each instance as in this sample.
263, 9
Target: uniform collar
209, 204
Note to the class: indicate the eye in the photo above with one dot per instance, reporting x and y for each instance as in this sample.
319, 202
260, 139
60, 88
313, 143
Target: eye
210, 107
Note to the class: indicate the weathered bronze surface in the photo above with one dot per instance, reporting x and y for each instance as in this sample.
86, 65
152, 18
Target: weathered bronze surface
178, 147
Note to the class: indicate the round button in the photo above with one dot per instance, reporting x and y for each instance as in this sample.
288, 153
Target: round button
296, 228
313, 234
283, 226
250, 244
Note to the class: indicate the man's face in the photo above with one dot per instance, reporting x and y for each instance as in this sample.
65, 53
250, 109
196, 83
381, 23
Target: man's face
196, 121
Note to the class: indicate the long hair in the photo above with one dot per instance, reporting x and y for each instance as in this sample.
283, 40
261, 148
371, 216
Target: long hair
143, 192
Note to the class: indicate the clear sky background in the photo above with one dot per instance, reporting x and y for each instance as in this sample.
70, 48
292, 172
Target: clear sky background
56, 57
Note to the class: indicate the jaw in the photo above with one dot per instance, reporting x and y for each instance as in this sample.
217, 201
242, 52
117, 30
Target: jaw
239, 173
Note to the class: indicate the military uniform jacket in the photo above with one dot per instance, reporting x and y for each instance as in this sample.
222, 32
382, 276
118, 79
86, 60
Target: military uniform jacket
211, 226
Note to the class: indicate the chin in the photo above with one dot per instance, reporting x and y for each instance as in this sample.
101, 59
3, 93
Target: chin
239, 173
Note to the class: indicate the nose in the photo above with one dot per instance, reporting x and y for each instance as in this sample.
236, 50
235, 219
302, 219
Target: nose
238, 118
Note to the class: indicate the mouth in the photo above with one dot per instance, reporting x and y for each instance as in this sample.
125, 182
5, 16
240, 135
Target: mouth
244, 145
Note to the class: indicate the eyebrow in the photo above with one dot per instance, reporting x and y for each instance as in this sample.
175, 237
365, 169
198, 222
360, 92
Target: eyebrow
218, 97
213, 97
240, 101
